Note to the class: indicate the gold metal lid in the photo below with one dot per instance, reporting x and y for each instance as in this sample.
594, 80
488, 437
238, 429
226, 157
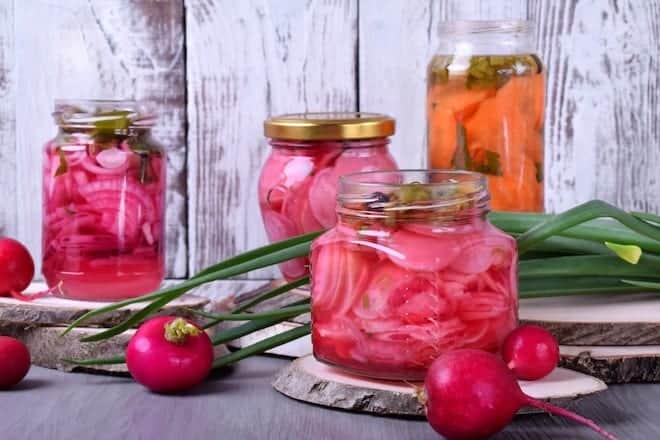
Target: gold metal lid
329, 126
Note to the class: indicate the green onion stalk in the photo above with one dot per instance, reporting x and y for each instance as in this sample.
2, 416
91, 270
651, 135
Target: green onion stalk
592, 248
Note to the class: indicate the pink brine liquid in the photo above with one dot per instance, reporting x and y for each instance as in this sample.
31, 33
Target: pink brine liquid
391, 293
298, 186
103, 217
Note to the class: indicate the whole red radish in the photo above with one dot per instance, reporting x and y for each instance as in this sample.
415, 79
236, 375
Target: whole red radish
14, 361
531, 352
16, 267
169, 354
471, 394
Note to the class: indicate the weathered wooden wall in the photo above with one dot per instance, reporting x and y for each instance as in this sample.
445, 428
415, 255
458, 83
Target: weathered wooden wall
217, 68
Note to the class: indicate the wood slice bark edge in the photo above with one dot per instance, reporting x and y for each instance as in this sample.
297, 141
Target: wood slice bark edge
602, 333
615, 369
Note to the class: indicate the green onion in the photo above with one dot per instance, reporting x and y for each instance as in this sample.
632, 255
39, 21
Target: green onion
249, 327
266, 256
99, 361
285, 312
580, 214
272, 294
588, 265
262, 346
561, 286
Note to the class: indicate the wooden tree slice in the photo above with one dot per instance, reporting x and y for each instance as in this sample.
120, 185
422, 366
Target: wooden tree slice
57, 311
614, 364
597, 319
308, 380
49, 349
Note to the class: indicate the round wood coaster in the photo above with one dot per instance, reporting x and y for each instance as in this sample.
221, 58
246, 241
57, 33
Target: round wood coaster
597, 319
614, 364
50, 349
311, 381
52, 310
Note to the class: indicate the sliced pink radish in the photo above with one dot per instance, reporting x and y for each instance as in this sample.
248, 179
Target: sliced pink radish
364, 159
297, 169
121, 190
480, 251
278, 227
339, 277
417, 252
112, 158
93, 168
294, 269
323, 197
296, 207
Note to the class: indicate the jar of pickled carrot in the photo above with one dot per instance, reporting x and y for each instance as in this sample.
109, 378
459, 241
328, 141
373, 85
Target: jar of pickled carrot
485, 102
411, 270
298, 183
103, 202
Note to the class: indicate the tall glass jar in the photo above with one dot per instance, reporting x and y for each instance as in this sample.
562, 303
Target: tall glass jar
298, 183
485, 100
103, 202
412, 269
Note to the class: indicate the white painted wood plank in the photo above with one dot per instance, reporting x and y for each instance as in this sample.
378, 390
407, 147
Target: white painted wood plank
602, 127
245, 61
397, 40
8, 217
99, 49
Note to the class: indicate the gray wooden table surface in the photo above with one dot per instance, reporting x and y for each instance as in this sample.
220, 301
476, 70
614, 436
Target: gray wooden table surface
240, 404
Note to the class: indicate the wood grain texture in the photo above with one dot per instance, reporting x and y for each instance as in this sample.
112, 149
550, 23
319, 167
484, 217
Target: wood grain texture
99, 49
8, 217
602, 126
58, 311
240, 404
245, 61
397, 40
309, 380
614, 364
602, 129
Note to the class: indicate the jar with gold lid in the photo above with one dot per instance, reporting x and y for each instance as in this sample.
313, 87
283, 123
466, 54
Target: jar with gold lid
298, 183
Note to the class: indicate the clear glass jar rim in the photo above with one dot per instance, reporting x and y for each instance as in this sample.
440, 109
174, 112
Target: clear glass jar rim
88, 113
454, 195
466, 27
452, 176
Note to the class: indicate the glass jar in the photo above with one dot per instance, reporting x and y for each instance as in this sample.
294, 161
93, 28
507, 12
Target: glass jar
412, 269
298, 183
103, 202
485, 100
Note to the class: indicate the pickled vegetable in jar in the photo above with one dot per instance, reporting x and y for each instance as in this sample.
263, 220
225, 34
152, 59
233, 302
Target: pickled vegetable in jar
298, 183
103, 202
411, 270
485, 102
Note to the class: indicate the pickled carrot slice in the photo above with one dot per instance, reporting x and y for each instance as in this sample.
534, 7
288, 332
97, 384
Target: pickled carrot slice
538, 92
416, 252
454, 96
517, 191
442, 138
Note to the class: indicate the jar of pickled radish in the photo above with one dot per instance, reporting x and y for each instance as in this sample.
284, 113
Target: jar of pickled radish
411, 270
298, 183
103, 202
485, 102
